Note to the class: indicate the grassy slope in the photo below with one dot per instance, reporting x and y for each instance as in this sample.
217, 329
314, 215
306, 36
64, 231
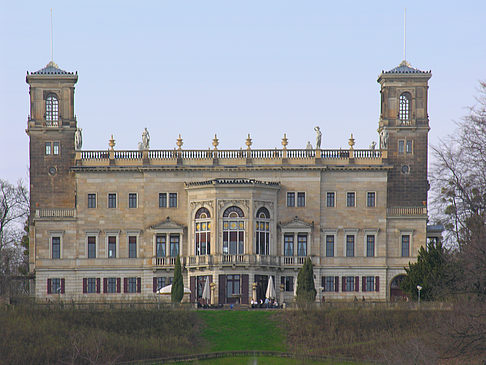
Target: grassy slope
241, 330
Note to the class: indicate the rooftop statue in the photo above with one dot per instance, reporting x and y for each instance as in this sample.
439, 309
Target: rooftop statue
78, 139
145, 139
318, 137
383, 139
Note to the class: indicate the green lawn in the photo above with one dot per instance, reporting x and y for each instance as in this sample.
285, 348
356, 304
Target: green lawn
241, 330
266, 361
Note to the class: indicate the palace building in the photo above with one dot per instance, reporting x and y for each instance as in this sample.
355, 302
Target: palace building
107, 225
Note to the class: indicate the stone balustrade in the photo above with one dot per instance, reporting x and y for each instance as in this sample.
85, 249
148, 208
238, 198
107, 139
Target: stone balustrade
406, 211
232, 157
55, 213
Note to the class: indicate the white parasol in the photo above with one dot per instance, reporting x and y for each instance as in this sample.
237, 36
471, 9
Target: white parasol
270, 294
166, 290
206, 294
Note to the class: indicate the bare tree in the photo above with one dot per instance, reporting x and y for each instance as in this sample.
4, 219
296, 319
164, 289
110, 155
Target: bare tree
14, 210
459, 196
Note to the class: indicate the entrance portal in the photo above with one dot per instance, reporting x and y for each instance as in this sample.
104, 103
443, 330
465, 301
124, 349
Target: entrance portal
396, 294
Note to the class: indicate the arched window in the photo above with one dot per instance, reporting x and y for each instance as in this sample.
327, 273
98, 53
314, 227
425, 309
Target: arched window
263, 231
233, 231
203, 232
52, 109
404, 111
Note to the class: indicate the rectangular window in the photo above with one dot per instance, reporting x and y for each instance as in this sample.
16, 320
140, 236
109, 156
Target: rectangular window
350, 245
55, 286
111, 247
48, 148
349, 284
91, 200
291, 199
328, 283
112, 200
131, 286
370, 245
370, 199
55, 148
405, 245
288, 245
409, 147
301, 199
132, 247
302, 245
56, 247
401, 146
370, 283
330, 200
232, 286
160, 245
350, 199
288, 283
162, 200
111, 285
174, 245
132, 200
330, 245
91, 285
172, 200
161, 282
91, 247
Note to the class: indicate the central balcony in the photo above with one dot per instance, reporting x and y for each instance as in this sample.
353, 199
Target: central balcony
222, 260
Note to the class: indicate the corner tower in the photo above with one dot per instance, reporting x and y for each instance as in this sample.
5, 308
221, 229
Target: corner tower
51, 127
404, 128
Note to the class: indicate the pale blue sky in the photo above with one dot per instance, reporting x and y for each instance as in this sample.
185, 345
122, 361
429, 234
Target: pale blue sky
235, 67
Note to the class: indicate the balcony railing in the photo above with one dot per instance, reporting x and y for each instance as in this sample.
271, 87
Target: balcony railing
407, 211
55, 213
242, 154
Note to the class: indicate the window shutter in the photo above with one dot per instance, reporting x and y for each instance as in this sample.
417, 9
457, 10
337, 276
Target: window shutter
245, 282
139, 285
336, 283
62, 286
344, 283
118, 285
192, 286
85, 285
155, 285
125, 285
49, 286
98, 285
105, 285
356, 283
377, 283
222, 289
363, 283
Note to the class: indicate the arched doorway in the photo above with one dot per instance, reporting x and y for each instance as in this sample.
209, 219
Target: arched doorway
396, 294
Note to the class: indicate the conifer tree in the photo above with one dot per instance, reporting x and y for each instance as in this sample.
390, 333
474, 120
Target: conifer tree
177, 291
306, 291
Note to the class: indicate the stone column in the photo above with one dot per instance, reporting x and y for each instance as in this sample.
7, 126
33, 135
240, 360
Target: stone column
213, 289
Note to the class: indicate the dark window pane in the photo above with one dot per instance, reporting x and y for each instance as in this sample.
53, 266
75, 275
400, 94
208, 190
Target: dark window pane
111, 247
56, 247
91, 200
350, 199
330, 246
349, 245
162, 200
111, 200
160, 245
330, 200
405, 245
172, 200
370, 245
132, 200
370, 201
301, 199
132, 247
91, 247
291, 199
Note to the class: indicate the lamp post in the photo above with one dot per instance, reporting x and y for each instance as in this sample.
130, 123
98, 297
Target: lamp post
419, 288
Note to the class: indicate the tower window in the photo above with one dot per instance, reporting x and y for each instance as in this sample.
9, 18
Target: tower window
52, 110
55, 148
48, 148
404, 111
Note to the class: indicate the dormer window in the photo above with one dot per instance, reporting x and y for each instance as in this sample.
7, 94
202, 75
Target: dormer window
52, 110
404, 111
